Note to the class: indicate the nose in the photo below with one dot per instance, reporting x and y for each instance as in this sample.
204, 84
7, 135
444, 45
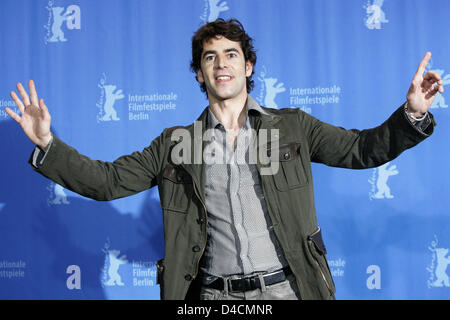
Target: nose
220, 62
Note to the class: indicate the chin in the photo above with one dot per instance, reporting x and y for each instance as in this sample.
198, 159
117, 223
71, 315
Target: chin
221, 96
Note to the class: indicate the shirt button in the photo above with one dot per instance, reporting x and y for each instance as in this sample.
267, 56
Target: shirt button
188, 277
196, 248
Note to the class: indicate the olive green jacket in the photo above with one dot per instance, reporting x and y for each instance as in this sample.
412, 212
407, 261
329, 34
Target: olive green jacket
289, 193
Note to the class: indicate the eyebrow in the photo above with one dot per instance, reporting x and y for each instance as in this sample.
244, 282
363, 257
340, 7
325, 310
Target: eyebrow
214, 51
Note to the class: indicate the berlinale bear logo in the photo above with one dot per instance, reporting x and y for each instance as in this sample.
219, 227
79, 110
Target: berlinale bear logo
113, 261
269, 89
56, 18
108, 97
439, 263
212, 10
375, 16
379, 179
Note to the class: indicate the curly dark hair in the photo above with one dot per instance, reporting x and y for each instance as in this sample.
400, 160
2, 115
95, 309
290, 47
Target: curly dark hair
232, 30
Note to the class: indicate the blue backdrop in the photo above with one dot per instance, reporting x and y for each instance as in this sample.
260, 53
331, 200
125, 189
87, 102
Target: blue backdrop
115, 73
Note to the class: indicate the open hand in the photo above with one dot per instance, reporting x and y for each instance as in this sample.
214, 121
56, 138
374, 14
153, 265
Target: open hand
35, 118
423, 89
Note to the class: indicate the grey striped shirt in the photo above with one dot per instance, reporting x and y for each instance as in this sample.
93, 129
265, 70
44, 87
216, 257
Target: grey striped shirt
241, 236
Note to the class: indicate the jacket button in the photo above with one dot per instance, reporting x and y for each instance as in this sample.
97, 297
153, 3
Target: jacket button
188, 277
200, 220
287, 156
196, 248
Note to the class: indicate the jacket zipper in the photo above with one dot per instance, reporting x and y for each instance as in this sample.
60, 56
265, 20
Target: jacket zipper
317, 262
205, 232
323, 275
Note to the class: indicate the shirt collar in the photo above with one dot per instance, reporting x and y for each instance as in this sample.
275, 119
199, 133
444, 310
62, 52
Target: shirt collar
251, 104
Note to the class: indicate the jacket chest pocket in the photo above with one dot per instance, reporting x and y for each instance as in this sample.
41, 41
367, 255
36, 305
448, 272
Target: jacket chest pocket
176, 189
291, 172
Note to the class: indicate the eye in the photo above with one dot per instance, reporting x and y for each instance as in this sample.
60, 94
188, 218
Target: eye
209, 58
232, 55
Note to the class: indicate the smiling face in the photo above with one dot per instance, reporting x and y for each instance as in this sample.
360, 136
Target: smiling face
224, 70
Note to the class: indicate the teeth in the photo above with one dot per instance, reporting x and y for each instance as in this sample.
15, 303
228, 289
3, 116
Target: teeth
223, 78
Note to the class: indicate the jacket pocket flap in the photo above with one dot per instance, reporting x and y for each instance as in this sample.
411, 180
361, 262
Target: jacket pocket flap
176, 174
316, 238
289, 151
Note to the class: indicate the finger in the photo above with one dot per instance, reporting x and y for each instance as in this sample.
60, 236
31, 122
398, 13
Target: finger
439, 87
423, 64
432, 76
431, 93
43, 107
13, 115
434, 91
17, 101
426, 85
23, 94
33, 93
436, 85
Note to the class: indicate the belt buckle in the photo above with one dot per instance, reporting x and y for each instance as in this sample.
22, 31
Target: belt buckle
242, 284
238, 285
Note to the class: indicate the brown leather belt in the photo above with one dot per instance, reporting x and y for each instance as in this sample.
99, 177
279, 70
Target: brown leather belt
250, 283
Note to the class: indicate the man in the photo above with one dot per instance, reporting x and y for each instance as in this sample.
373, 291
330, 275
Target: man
232, 230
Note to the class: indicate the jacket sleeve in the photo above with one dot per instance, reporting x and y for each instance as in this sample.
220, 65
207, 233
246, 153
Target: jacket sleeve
355, 149
101, 180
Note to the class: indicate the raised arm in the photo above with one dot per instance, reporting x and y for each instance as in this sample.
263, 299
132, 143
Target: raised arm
359, 149
99, 180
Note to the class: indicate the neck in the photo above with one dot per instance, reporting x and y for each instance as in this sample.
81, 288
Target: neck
230, 112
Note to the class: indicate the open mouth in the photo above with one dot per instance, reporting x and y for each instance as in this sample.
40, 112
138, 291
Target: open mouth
223, 78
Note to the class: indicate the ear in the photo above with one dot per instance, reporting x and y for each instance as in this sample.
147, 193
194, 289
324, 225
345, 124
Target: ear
200, 76
248, 68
